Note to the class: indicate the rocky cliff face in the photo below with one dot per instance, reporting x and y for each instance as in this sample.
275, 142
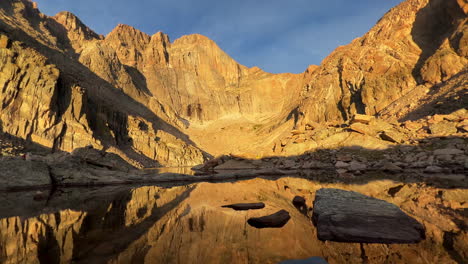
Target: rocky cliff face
145, 97
64, 89
420, 43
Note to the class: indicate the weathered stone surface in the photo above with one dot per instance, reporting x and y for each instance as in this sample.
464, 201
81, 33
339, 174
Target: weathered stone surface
393, 136
357, 166
347, 216
299, 148
341, 165
102, 159
443, 128
363, 129
245, 206
391, 167
456, 198
4, 42
401, 57
21, 174
276, 220
449, 151
363, 119
235, 165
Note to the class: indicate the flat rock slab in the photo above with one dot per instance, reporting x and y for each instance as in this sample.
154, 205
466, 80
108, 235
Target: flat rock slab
346, 216
276, 220
245, 206
21, 174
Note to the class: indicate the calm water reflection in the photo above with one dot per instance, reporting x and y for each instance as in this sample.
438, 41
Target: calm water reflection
186, 224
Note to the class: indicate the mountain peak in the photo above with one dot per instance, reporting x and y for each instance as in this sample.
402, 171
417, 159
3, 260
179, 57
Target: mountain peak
128, 35
194, 39
76, 29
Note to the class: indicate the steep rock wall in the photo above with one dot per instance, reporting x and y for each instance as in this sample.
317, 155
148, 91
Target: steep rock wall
419, 42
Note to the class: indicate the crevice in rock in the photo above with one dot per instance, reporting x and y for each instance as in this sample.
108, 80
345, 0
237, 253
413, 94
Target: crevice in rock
364, 257
448, 245
394, 190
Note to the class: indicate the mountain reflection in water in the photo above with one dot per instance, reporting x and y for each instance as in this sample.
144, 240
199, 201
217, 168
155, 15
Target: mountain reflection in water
186, 224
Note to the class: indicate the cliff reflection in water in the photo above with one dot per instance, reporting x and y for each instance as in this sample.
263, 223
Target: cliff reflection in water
186, 224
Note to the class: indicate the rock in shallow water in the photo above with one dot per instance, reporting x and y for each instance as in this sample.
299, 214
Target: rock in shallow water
346, 216
278, 219
245, 206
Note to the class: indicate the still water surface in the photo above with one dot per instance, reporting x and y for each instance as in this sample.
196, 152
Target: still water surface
186, 224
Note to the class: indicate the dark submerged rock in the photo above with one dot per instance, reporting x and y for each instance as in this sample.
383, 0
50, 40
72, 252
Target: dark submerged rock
245, 206
300, 203
278, 219
346, 216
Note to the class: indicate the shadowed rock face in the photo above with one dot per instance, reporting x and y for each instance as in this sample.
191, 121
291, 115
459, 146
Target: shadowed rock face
186, 224
145, 97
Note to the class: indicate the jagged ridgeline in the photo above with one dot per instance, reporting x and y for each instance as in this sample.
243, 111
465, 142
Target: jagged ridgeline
156, 102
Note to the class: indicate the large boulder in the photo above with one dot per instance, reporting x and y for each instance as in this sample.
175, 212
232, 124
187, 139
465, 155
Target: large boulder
21, 174
347, 216
101, 159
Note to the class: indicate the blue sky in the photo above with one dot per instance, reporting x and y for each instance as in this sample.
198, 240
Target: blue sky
276, 35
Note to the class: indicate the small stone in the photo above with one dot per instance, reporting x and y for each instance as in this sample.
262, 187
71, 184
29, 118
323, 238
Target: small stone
300, 203
413, 125
341, 165
344, 157
393, 136
391, 167
39, 196
341, 171
363, 129
4, 42
357, 166
297, 132
433, 169
364, 119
